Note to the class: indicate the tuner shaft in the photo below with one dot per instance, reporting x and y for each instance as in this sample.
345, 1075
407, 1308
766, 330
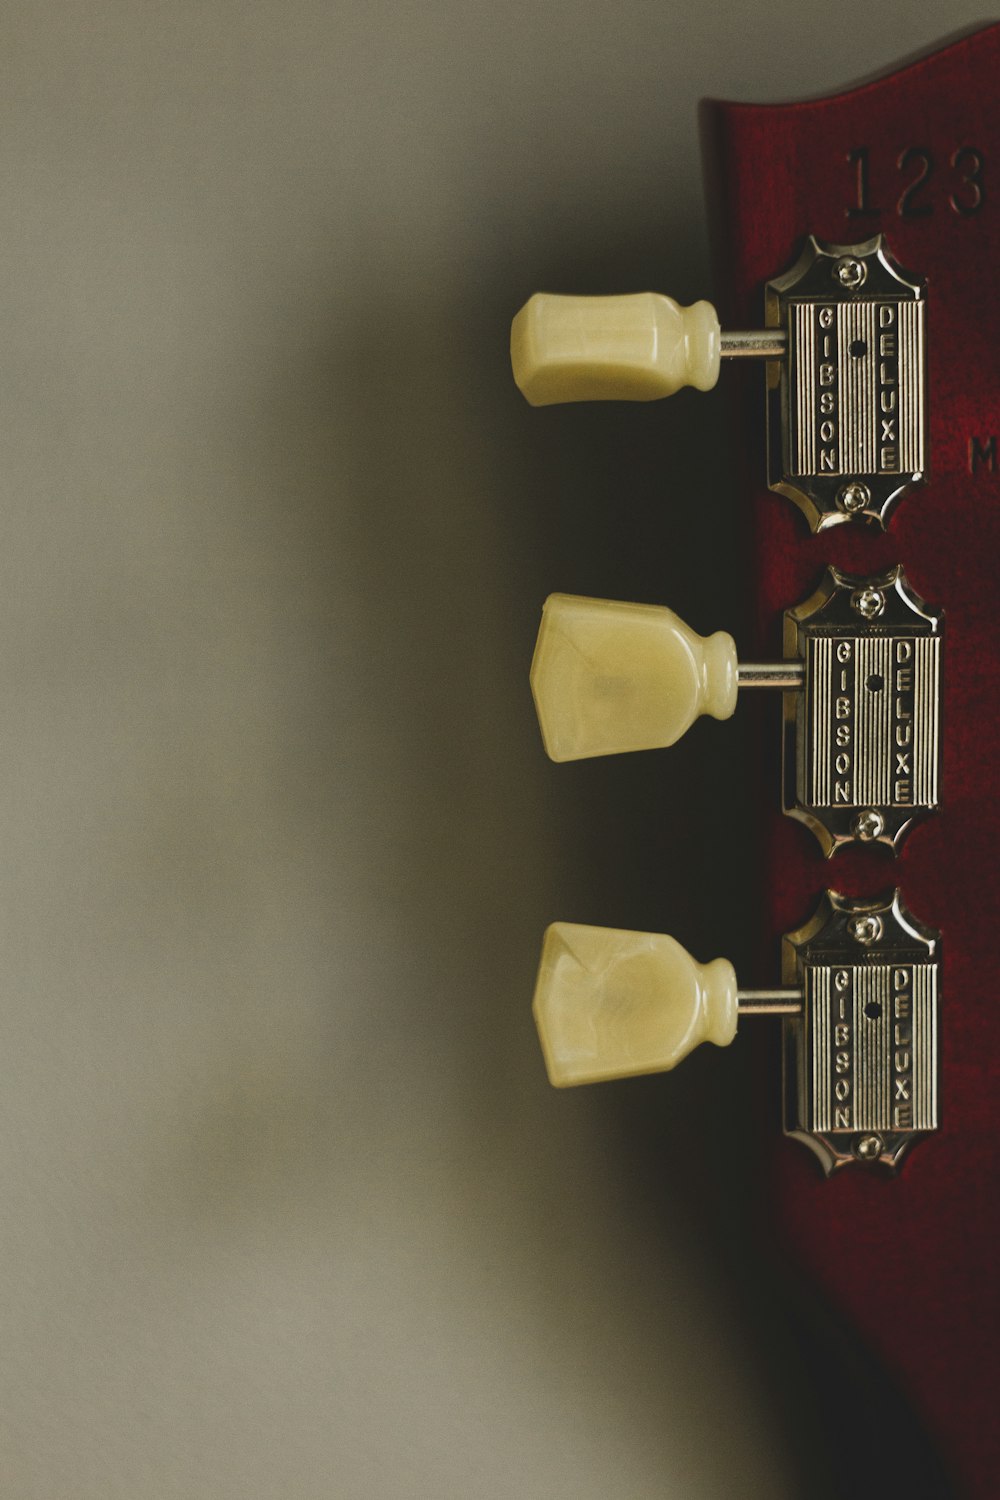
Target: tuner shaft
786, 1000
770, 674
754, 343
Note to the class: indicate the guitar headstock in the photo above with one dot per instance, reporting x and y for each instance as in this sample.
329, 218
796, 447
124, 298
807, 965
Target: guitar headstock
908, 157
856, 241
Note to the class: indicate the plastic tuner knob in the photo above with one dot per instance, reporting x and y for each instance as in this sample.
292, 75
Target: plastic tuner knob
612, 1004
609, 677
633, 348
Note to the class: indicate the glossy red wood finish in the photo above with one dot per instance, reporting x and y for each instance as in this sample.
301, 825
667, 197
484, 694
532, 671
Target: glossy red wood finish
912, 1262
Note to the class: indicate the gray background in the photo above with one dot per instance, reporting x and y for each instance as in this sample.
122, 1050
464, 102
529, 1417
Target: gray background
288, 1207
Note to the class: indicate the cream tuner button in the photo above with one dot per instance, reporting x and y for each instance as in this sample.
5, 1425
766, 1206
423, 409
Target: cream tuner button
609, 1004
609, 677
632, 348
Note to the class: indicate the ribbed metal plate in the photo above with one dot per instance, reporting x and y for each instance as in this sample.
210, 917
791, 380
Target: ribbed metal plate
873, 1048
874, 721
856, 374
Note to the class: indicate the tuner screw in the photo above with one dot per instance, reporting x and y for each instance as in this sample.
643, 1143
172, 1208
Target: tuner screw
865, 930
868, 1147
868, 825
868, 603
854, 497
850, 273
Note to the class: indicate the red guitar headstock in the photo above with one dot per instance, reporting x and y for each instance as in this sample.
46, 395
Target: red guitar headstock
856, 242
911, 1261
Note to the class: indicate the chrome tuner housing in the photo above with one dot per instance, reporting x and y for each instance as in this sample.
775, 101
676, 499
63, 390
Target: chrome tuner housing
847, 408
861, 1061
861, 744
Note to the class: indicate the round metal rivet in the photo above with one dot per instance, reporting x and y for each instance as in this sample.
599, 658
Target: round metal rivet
868, 825
853, 497
868, 603
868, 1147
850, 273
866, 929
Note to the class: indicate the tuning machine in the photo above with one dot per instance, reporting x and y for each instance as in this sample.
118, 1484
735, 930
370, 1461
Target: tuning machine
861, 681
858, 1002
844, 341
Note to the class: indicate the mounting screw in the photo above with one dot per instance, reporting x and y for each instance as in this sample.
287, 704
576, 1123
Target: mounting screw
868, 1147
868, 603
866, 929
868, 825
853, 497
850, 273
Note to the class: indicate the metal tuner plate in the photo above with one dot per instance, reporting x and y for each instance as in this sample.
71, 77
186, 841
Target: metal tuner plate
861, 1061
847, 424
862, 738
